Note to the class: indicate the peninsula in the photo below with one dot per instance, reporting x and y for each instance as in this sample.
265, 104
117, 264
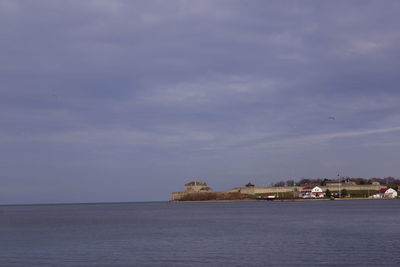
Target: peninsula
309, 190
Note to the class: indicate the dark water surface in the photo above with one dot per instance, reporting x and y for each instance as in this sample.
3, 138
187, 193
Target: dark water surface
324, 233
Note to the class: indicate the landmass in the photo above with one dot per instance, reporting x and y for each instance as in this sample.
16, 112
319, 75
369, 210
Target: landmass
326, 189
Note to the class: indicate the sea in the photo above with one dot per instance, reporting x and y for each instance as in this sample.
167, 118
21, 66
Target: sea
311, 233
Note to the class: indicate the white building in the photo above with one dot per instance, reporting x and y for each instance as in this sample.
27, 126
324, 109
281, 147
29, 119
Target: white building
312, 192
386, 193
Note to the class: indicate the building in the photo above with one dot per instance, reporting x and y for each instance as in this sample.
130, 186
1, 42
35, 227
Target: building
351, 186
386, 193
197, 187
191, 188
312, 192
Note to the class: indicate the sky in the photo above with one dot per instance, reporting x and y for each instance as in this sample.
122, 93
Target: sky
128, 100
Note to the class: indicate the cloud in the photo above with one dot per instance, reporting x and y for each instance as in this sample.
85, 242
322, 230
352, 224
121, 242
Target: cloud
233, 88
322, 139
189, 82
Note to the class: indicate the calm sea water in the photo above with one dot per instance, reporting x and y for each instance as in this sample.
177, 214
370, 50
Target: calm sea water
325, 233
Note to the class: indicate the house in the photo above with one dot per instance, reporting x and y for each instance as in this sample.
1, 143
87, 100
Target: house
312, 192
386, 193
391, 193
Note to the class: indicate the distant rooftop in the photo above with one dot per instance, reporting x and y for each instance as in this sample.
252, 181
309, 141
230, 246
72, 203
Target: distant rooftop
249, 185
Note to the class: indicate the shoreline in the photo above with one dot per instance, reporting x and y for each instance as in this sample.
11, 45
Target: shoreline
277, 200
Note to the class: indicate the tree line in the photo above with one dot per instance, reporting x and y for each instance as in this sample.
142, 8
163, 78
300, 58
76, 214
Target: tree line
322, 181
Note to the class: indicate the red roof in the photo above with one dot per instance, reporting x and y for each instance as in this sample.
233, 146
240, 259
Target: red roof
383, 190
309, 187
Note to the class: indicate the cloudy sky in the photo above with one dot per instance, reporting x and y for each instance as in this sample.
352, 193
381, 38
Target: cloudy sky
128, 100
